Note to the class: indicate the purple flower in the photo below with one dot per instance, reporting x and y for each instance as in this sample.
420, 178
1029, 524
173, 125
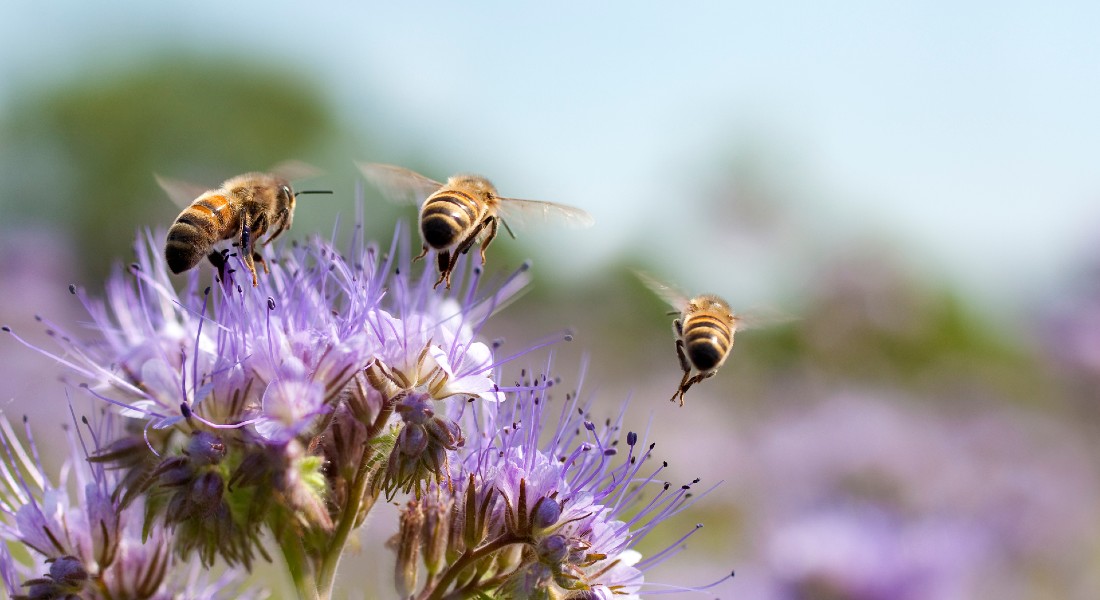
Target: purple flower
548, 505
88, 545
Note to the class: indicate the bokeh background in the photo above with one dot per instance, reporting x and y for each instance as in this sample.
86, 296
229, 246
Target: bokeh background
915, 184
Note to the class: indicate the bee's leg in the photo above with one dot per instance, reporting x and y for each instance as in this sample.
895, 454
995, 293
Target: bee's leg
281, 225
467, 243
258, 258
246, 250
489, 237
219, 258
683, 357
684, 385
443, 260
690, 382
422, 254
450, 258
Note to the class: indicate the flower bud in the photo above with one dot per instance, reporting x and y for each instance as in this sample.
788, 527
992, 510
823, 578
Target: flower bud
205, 449
437, 531
68, 574
206, 494
545, 514
553, 549
413, 440
408, 546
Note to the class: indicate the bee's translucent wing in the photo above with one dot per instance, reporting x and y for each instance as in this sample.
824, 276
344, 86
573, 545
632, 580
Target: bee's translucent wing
182, 193
399, 184
515, 211
674, 297
295, 170
761, 316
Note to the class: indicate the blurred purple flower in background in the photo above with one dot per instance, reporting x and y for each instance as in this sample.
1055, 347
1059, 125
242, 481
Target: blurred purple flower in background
865, 499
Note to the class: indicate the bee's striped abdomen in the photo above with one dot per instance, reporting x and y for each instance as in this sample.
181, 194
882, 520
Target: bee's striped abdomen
707, 341
446, 217
197, 228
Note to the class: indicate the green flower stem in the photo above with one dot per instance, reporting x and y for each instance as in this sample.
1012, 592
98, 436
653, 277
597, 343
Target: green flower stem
359, 502
468, 558
298, 564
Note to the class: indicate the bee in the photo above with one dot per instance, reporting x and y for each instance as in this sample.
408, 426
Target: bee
465, 211
244, 208
704, 332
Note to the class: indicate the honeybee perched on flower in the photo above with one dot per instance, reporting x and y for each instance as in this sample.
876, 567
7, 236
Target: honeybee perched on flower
244, 208
462, 212
704, 331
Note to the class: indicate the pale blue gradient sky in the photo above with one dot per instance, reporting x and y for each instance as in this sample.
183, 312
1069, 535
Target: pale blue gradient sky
968, 131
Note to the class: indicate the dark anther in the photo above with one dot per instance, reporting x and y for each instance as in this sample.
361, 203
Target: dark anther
72, 289
631, 438
185, 410
270, 303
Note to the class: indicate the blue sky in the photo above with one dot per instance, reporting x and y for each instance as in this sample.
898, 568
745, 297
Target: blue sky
968, 132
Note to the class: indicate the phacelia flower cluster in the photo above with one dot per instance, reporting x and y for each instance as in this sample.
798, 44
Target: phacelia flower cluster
285, 411
82, 542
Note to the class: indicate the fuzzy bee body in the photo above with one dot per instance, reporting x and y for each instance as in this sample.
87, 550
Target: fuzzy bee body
704, 337
703, 330
244, 208
464, 212
455, 212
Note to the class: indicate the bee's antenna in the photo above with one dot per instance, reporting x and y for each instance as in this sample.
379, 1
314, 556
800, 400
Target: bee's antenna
312, 192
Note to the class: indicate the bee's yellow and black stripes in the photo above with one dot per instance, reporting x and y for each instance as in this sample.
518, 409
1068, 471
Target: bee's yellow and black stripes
707, 341
447, 216
198, 227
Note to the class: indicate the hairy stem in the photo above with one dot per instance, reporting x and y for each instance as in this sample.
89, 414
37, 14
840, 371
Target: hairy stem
359, 501
468, 558
297, 562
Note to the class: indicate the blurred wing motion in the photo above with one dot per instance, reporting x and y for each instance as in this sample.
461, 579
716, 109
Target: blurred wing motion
674, 297
759, 317
517, 212
182, 193
295, 170
398, 184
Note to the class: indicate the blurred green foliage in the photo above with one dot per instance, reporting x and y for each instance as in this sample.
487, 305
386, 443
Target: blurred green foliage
80, 155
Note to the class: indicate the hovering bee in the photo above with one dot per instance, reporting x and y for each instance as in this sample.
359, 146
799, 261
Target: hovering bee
462, 212
244, 208
704, 332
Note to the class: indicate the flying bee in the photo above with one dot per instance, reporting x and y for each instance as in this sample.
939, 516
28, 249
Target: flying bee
704, 331
244, 208
465, 211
